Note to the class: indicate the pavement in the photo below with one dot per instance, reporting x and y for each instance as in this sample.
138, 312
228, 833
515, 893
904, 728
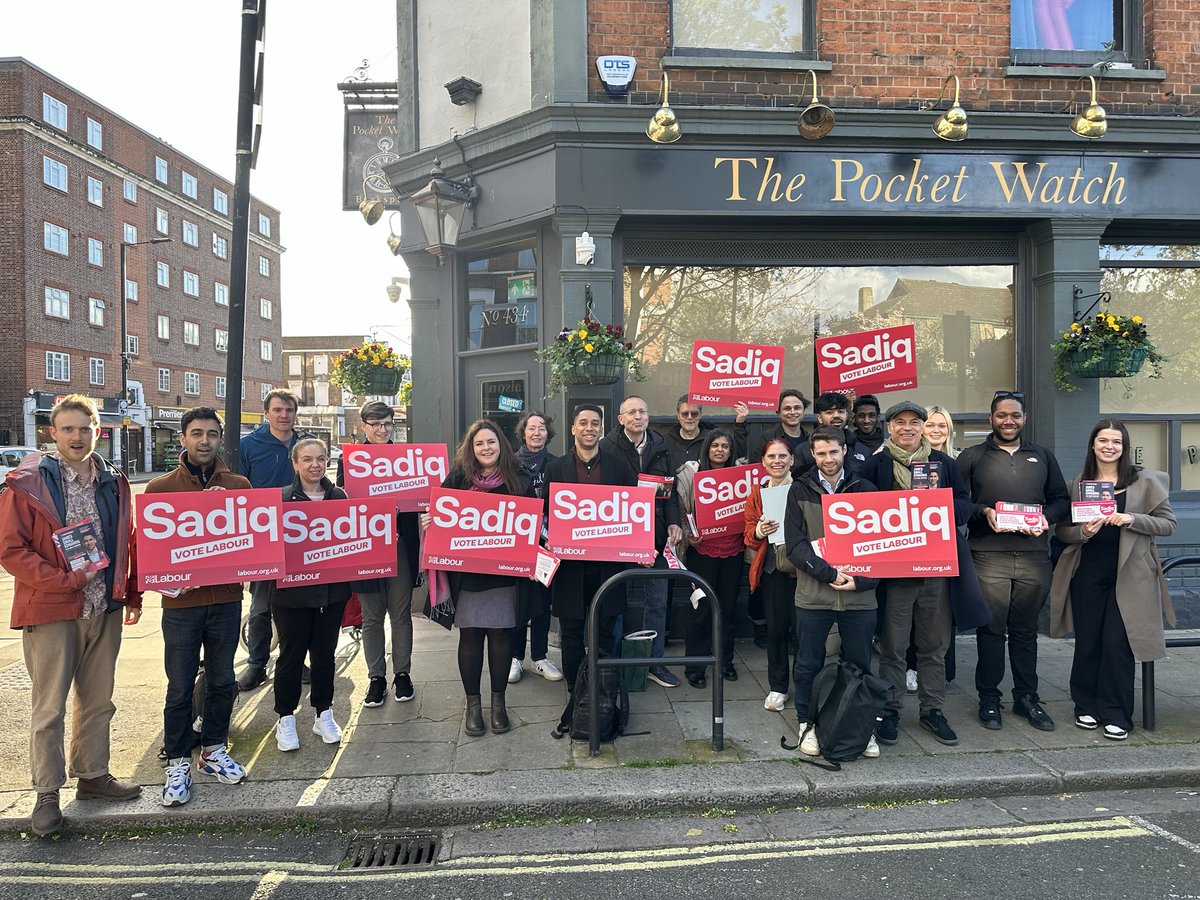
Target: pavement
411, 765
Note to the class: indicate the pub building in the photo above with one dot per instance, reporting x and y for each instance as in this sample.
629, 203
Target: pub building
816, 172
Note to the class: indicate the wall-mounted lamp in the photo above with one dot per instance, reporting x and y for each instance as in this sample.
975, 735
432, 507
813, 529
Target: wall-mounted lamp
664, 125
952, 124
440, 206
463, 90
1092, 122
371, 208
393, 240
817, 119
395, 290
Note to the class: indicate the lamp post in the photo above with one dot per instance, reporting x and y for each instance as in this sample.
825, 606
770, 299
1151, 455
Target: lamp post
440, 206
123, 405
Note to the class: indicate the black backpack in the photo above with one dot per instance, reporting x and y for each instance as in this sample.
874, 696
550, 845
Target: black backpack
612, 712
846, 706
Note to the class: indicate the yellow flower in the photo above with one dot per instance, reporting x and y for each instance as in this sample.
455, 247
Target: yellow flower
1137, 320
1125, 334
1114, 327
588, 347
571, 337
1075, 327
1066, 334
582, 332
1111, 319
389, 364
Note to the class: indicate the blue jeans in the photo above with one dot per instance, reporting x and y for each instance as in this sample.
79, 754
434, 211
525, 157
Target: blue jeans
656, 593
185, 631
857, 628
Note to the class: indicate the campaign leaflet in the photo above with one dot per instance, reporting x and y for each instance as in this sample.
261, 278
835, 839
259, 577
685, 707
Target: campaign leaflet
195, 538
404, 472
927, 475
1017, 516
774, 504
547, 565
868, 362
602, 522
664, 485
725, 373
482, 532
1096, 499
891, 534
338, 540
80, 547
720, 496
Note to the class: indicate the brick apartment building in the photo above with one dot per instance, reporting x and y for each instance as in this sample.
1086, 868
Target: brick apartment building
748, 229
76, 181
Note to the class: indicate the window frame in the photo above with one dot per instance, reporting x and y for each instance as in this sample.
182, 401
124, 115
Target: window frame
264, 266
95, 258
266, 350
133, 345
191, 283
99, 186
164, 380
95, 364
163, 327
129, 233
219, 390
264, 225
162, 170
1133, 39
162, 220
51, 234
193, 379
220, 346
49, 164
188, 180
185, 225
129, 190
809, 49
131, 290
162, 274
62, 304
220, 246
221, 206
266, 308
58, 356
220, 290
191, 329
52, 105
97, 309
96, 129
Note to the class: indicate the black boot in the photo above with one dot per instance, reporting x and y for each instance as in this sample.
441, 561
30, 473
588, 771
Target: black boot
500, 723
474, 725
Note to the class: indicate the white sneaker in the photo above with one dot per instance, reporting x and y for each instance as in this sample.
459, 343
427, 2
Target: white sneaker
285, 734
515, 671
809, 745
330, 732
547, 670
178, 788
910, 681
872, 751
775, 701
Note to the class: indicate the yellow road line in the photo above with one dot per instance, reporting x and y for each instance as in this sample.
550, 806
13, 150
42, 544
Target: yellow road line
269, 884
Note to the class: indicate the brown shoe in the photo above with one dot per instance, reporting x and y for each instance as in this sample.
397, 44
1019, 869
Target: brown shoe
47, 818
105, 787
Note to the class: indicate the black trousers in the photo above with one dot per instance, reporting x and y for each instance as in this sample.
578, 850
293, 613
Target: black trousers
778, 590
306, 631
725, 575
1103, 668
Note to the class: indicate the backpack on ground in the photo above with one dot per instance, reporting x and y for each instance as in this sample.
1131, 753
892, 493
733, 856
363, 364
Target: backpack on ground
612, 710
847, 704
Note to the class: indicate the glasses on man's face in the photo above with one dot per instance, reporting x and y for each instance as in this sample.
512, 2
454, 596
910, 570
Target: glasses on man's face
1019, 396
689, 414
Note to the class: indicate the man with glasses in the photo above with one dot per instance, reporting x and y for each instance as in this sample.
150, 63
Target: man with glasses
791, 408
391, 597
684, 441
1013, 565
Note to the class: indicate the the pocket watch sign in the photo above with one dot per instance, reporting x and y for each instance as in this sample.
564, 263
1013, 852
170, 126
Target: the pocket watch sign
370, 142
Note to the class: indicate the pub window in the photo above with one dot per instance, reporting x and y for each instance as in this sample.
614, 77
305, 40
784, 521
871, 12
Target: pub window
741, 27
1082, 32
502, 299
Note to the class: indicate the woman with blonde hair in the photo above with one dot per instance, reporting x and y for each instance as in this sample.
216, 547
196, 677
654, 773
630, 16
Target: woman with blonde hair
939, 428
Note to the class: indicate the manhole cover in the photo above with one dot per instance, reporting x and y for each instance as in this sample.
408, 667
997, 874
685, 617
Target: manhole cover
369, 852
15, 678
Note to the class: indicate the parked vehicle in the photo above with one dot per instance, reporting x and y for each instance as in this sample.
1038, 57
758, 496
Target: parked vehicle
10, 458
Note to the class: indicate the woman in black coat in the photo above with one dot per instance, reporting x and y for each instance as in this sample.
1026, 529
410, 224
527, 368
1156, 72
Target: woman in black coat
308, 619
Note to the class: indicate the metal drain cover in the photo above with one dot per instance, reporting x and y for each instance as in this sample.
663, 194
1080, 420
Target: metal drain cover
371, 852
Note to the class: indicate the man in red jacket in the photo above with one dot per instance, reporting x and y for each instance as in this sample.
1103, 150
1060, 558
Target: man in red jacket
70, 621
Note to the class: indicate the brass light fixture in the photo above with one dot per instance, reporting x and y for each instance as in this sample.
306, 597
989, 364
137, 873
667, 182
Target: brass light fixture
952, 124
393, 240
371, 209
817, 119
664, 125
1092, 123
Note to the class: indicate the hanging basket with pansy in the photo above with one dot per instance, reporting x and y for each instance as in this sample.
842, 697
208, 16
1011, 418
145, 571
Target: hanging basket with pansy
371, 369
1104, 346
590, 353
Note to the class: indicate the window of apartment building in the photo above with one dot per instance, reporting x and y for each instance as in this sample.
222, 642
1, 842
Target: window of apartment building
96, 311
220, 246
296, 364
129, 190
221, 340
130, 232
162, 222
187, 184
95, 371
55, 238
164, 380
54, 173
1077, 33
58, 366
58, 303
191, 334
164, 275
191, 383
220, 293
263, 391
95, 135
132, 344
265, 351
191, 283
735, 27
264, 225
160, 170
220, 387
164, 328
220, 201
95, 252
264, 267
54, 112
264, 307
191, 233
95, 191
131, 290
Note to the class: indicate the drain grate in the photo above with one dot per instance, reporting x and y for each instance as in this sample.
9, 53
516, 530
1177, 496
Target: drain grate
15, 677
370, 852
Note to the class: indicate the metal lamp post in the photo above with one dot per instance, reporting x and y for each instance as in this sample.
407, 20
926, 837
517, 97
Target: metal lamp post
123, 406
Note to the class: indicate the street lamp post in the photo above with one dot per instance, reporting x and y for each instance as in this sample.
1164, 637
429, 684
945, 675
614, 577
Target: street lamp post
123, 405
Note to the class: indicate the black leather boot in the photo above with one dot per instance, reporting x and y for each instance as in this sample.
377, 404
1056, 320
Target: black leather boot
500, 723
474, 725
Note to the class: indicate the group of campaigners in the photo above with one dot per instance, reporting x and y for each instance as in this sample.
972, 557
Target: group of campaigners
1107, 586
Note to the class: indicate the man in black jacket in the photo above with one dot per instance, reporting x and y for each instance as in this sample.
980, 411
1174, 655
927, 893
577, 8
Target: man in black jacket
867, 429
791, 408
1013, 566
685, 439
647, 453
833, 410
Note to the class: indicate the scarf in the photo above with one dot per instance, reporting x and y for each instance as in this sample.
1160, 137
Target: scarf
533, 463
786, 479
901, 473
487, 482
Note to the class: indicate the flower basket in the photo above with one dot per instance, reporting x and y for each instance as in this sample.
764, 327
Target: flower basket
589, 353
372, 368
1108, 362
384, 381
602, 368
1104, 346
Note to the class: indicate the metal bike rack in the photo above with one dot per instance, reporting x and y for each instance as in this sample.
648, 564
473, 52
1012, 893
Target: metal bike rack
594, 663
1148, 712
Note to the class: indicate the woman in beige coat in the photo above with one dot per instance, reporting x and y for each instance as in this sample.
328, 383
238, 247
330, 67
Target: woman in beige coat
1108, 586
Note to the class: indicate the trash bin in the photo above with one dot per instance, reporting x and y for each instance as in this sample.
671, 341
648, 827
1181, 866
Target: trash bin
636, 645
